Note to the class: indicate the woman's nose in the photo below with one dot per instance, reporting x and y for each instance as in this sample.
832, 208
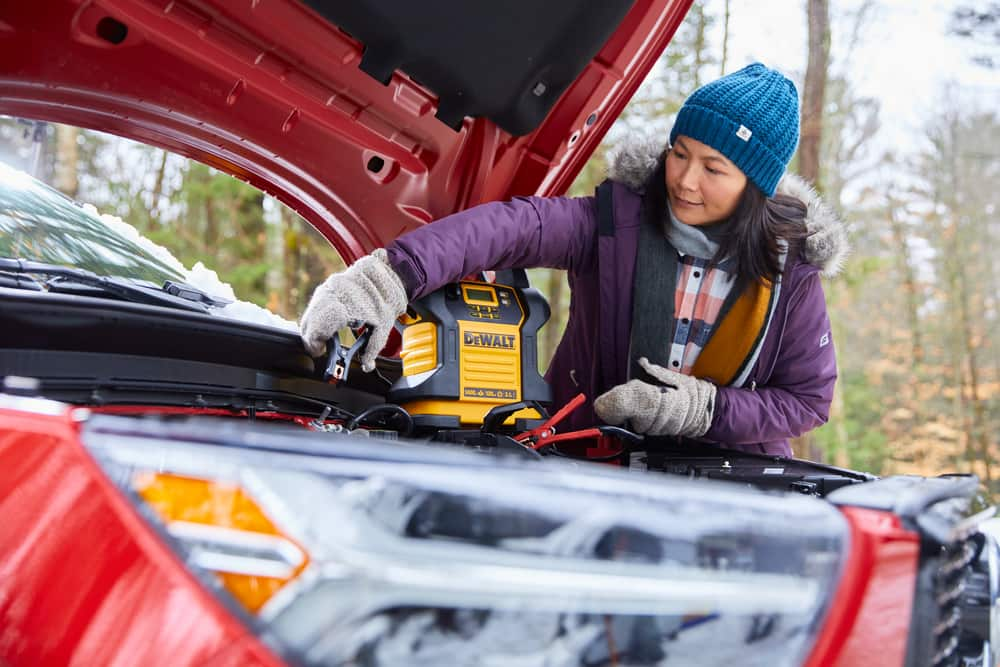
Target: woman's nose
689, 179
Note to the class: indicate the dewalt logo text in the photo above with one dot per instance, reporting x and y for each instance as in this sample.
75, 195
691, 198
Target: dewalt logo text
497, 341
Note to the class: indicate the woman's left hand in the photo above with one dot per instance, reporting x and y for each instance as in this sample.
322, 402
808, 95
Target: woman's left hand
683, 405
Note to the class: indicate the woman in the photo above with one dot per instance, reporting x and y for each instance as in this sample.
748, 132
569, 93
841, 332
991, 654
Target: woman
696, 308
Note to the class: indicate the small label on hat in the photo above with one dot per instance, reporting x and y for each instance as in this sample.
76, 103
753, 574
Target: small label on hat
744, 133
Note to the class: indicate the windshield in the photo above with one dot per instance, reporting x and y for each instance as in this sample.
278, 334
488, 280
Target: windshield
40, 224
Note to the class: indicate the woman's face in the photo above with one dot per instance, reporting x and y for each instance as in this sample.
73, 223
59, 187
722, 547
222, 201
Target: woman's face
703, 186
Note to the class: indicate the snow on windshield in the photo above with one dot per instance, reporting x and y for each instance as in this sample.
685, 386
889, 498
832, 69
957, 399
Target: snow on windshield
199, 276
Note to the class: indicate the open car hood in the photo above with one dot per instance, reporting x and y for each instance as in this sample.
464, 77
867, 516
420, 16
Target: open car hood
369, 118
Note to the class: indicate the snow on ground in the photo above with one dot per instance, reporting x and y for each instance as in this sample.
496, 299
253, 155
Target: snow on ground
199, 276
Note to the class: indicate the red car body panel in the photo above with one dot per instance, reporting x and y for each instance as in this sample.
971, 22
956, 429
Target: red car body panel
870, 614
271, 93
84, 580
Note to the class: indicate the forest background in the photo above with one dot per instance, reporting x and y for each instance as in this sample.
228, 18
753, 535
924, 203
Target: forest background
915, 311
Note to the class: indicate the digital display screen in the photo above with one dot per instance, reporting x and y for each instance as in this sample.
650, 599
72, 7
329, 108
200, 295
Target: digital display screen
477, 295
480, 294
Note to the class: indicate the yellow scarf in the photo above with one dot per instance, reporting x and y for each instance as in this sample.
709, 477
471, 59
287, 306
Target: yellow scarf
732, 345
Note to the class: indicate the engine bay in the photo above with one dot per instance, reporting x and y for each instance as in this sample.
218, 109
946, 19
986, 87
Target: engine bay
168, 365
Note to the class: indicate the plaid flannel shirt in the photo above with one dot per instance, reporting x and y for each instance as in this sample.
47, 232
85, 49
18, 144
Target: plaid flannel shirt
698, 298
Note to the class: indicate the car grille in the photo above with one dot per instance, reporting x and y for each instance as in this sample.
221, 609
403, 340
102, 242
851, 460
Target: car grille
950, 582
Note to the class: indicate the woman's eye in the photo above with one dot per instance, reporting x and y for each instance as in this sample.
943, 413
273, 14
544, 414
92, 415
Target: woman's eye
712, 171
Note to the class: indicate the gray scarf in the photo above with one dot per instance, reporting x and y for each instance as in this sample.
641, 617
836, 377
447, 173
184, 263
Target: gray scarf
698, 241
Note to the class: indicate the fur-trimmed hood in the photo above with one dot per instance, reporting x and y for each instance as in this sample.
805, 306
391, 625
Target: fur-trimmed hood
826, 246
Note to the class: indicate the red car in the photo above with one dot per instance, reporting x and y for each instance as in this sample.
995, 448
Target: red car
180, 488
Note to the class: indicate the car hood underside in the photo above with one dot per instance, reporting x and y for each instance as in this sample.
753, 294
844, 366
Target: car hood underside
368, 118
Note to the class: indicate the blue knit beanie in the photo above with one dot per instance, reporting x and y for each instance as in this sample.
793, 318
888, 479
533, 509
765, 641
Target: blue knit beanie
750, 116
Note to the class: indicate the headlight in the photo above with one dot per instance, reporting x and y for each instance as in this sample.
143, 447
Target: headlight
387, 554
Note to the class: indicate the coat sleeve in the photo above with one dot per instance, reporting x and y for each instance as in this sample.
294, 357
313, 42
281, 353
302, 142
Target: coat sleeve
797, 396
526, 232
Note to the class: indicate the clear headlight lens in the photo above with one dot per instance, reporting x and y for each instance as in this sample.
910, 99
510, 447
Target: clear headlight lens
443, 558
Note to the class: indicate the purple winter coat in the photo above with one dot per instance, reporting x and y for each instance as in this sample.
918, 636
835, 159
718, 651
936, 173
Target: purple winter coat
790, 387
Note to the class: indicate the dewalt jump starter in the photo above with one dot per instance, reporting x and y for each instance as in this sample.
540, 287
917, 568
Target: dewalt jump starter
468, 348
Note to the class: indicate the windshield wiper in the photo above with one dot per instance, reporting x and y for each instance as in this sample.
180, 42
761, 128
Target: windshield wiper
18, 272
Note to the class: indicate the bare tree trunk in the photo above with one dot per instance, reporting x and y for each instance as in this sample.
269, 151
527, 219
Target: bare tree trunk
277, 288
67, 157
812, 125
964, 417
977, 438
210, 239
296, 276
955, 362
990, 304
814, 90
841, 458
977, 426
725, 39
701, 25
41, 155
838, 408
899, 238
556, 298
951, 264
161, 171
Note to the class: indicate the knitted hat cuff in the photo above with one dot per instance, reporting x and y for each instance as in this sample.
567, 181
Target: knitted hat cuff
755, 159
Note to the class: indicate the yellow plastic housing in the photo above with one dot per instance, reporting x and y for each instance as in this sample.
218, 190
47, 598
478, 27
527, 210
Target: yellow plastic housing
489, 362
467, 413
419, 349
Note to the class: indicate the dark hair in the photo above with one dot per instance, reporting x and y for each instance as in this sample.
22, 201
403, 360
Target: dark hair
752, 234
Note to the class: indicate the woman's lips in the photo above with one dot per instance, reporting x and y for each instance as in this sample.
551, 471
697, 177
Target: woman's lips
684, 202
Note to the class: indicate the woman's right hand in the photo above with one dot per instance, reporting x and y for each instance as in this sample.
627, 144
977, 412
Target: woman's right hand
681, 405
370, 292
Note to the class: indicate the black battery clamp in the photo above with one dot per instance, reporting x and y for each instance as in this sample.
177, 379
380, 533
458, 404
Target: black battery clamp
339, 363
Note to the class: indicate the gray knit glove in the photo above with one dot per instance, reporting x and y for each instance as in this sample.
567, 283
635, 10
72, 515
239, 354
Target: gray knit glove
682, 406
369, 291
